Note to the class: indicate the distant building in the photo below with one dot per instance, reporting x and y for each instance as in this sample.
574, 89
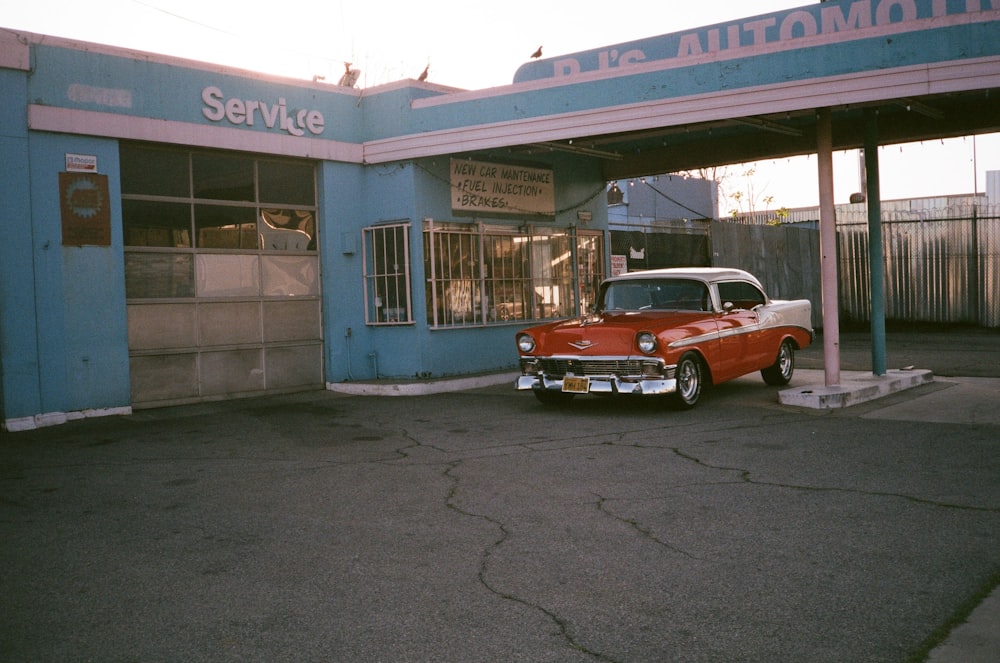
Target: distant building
660, 221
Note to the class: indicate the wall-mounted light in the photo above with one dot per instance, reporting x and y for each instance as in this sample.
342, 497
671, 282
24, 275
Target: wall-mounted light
615, 195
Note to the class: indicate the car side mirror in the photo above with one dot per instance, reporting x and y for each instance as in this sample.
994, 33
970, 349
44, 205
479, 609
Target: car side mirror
727, 307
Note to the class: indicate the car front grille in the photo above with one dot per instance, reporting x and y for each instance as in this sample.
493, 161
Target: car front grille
559, 366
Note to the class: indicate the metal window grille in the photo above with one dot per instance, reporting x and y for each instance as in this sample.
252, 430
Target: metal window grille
387, 275
480, 275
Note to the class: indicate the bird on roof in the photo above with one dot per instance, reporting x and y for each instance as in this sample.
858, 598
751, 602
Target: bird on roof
538, 53
423, 74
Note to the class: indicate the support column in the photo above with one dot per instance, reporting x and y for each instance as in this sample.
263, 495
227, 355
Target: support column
876, 266
828, 249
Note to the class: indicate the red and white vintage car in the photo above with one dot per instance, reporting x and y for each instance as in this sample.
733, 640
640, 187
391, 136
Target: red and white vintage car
666, 331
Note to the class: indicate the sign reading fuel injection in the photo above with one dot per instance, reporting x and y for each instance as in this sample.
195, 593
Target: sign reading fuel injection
493, 188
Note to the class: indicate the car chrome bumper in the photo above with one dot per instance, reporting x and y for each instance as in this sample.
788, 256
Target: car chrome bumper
602, 385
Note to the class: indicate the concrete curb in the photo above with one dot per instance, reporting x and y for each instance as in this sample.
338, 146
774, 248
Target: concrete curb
854, 388
421, 388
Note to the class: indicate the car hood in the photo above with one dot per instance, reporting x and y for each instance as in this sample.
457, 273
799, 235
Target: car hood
613, 333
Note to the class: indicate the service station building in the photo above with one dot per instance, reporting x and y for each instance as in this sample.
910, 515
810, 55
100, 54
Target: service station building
179, 231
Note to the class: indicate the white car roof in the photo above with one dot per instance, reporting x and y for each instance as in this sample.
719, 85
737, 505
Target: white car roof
706, 274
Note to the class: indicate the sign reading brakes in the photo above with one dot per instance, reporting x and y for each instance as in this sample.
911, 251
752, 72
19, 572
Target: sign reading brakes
819, 23
251, 112
481, 187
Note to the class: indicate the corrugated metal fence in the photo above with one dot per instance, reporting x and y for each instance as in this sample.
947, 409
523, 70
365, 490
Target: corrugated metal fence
785, 258
941, 265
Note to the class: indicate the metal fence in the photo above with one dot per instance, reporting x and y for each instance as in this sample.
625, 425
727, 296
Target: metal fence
785, 258
941, 265
941, 257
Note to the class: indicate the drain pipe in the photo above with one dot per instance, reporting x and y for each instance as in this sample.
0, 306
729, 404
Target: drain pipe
347, 334
374, 357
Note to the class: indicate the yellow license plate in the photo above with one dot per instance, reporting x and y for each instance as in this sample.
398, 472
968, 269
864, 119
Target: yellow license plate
575, 385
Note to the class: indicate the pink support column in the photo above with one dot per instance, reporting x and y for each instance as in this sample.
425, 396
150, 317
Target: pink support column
828, 249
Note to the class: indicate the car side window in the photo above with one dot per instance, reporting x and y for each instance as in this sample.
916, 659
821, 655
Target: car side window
743, 295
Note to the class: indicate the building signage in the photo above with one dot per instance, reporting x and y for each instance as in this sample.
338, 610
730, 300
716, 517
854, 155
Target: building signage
820, 23
81, 163
272, 114
495, 188
86, 214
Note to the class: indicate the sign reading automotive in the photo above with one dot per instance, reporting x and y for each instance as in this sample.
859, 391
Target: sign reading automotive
494, 188
819, 23
255, 112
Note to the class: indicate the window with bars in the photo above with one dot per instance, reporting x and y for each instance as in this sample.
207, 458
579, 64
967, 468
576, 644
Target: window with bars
479, 275
387, 275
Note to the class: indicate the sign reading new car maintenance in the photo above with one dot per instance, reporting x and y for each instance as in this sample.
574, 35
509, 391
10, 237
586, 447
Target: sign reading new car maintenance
496, 188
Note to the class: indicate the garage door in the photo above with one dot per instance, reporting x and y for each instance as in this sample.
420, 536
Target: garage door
221, 274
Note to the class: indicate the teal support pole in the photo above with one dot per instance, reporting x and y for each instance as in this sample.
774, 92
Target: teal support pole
876, 266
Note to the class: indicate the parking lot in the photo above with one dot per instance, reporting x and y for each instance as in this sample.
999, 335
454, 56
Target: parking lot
480, 526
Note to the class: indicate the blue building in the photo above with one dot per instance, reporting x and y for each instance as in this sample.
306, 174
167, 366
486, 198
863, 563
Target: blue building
179, 231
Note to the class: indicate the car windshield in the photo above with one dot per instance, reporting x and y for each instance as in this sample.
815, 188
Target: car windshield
654, 294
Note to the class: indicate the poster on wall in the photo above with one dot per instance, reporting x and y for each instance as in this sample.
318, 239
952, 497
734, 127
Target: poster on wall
479, 187
86, 214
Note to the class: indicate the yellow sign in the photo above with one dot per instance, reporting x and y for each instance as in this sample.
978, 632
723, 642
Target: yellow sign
496, 188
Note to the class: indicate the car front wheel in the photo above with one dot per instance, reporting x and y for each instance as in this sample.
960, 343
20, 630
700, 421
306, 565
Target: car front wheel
689, 382
780, 372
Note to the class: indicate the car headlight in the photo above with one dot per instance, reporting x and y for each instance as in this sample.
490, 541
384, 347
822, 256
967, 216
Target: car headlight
525, 343
646, 342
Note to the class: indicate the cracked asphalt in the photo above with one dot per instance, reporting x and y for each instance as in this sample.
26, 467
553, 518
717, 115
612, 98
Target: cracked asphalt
480, 526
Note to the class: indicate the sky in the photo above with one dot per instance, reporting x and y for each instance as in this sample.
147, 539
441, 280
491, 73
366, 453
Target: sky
475, 46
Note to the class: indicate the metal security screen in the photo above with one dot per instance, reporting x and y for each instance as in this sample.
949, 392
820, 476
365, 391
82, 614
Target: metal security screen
387, 275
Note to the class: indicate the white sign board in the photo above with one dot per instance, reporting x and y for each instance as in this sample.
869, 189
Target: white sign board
496, 188
81, 163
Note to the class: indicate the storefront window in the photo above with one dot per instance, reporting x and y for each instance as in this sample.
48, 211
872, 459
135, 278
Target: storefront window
481, 274
508, 277
454, 292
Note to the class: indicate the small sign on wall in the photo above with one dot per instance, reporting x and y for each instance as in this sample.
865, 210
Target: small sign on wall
81, 163
493, 188
86, 213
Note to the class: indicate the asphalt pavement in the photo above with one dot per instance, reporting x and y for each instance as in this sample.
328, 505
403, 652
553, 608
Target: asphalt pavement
477, 525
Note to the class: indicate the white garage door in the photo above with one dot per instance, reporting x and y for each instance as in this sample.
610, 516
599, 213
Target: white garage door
221, 274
